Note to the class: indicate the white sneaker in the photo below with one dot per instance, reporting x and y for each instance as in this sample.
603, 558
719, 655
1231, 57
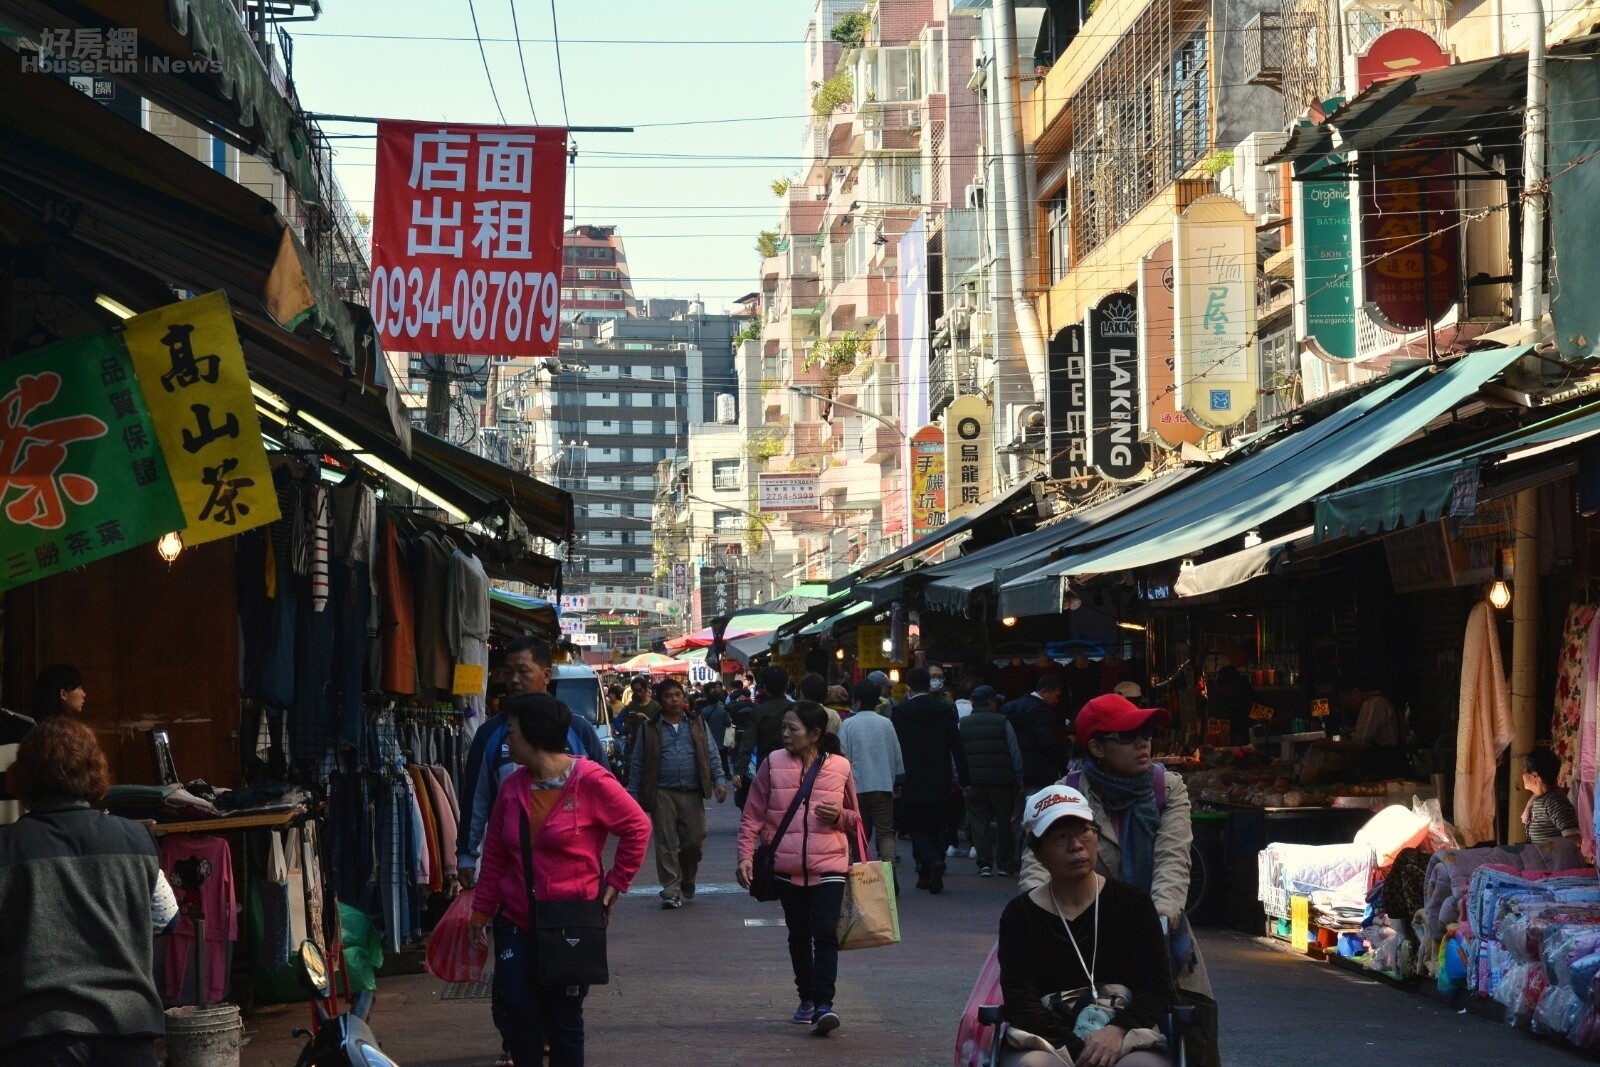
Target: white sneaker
972, 853
952, 851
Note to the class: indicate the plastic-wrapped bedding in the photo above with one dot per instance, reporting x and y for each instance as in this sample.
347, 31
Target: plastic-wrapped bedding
1338, 876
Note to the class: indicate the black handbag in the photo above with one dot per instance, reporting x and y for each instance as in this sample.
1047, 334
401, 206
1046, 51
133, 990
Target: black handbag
763, 875
569, 936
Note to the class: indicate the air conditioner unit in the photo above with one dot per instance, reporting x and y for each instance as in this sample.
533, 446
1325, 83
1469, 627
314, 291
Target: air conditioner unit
914, 117
979, 328
975, 195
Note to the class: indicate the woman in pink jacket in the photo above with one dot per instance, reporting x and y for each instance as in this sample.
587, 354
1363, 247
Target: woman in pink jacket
813, 858
572, 806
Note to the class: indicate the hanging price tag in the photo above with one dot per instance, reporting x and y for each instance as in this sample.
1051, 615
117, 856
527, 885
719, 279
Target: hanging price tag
468, 679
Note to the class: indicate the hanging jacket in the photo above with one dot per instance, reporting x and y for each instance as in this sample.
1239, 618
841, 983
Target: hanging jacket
568, 850
810, 847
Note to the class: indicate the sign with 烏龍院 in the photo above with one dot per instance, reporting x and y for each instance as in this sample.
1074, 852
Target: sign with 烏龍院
467, 238
193, 376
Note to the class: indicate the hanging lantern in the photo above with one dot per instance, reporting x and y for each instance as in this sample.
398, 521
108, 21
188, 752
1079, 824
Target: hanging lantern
169, 546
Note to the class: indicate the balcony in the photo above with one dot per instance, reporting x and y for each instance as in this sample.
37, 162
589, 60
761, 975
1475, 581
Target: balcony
1263, 50
883, 444
772, 268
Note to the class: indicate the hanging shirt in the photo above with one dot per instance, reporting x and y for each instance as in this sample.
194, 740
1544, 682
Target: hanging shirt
184, 859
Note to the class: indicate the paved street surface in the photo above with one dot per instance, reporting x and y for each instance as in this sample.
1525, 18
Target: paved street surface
703, 986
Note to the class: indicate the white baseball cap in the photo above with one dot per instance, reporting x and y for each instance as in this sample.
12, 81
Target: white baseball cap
1051, 803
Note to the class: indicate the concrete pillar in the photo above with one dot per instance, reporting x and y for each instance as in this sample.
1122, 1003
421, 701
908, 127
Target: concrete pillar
1524, 653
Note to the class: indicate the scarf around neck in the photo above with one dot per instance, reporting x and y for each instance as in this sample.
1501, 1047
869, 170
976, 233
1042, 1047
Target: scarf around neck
1132, 802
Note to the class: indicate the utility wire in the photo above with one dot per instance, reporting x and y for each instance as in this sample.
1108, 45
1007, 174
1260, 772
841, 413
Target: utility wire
522, 60
484, 55
561, 77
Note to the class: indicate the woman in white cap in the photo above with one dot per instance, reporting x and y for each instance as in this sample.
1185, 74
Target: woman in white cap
1083, 960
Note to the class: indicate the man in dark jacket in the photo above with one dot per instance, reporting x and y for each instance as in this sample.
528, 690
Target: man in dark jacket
1036, 720
715, 712
995, 763
930, 742
764, 731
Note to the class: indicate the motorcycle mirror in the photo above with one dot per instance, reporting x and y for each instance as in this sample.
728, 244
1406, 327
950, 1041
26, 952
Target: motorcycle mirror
314, 968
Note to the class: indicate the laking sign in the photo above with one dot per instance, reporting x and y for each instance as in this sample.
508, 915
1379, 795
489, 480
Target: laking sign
467, 238
1112, 327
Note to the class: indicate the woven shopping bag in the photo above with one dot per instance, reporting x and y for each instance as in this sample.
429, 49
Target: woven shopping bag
870, 917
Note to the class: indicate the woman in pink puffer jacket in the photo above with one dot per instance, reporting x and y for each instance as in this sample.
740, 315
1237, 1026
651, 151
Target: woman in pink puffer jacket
813, 858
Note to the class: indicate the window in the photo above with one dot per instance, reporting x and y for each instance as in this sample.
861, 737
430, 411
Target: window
643, 426
640, 372
587, 275
724, 474
644, 537
1191, 104
600, 400
641, 400
1279, 367
728, 521
1058, 214
642, 511
888, 75
643, 565
600, 426
642, 481
648, 455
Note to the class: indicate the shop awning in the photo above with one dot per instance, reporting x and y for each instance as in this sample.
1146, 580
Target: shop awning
546, 511
824, 627
993, 520
1267, 484
1450, 485
138, 207
1467, 102
197, 60
1240, 567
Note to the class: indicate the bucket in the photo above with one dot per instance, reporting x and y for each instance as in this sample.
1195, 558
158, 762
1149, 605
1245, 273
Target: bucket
204, 1036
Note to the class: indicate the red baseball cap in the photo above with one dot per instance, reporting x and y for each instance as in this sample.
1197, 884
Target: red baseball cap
1111, 714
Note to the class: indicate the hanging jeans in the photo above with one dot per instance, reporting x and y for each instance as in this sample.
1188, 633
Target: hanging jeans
351, 591
812, 915
528, 1015
308, 726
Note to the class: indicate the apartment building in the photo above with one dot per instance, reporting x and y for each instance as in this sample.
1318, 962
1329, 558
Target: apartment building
595, 284
892, 145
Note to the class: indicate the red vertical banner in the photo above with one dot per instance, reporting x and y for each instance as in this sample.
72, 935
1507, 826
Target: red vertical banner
466, 238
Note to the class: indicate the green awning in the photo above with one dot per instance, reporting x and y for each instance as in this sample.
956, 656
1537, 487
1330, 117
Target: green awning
824, 626
1408, 498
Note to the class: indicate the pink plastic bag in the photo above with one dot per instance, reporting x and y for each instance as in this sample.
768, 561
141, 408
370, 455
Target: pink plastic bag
973, 1039
451, 956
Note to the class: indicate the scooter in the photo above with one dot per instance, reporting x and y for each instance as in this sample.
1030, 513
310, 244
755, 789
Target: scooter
342, 1040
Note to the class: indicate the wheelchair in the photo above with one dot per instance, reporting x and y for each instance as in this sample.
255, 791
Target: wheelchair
1172, 1027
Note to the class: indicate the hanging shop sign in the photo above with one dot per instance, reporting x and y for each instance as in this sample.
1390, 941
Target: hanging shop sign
1161, 418
632, 602
1214, 282
82, 475
1112, 328
467, 238
194, 378
912, 258
680, 580
574, 602
719, 591
585, 640
797, 491
1410, 242
969, 455
573, 625
1067, 400
927, 481
870, 651
1325, 268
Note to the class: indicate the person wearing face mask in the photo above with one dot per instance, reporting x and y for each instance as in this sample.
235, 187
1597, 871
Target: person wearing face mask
936, 683
1142, 811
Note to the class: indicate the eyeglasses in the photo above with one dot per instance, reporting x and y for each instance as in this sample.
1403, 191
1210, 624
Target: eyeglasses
1129, 737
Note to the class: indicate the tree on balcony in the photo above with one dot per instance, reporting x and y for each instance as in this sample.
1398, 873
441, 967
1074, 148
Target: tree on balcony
780, 186
751, 331
763, 445
840, 355
767, 243
851, 30
831, 95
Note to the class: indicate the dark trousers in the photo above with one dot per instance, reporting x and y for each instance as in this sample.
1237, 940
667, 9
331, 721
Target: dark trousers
925, 820
528, 1015
989, 811
812, 915
83, 1052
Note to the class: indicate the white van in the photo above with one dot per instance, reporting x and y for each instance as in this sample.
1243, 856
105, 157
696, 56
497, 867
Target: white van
578, 686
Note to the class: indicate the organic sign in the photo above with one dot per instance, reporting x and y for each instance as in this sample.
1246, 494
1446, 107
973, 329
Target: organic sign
927, 481
1160, 416
1214, 277
1325, 309
467, 238
969, 454
189, 362
82, 476
1112, 328
1068, 399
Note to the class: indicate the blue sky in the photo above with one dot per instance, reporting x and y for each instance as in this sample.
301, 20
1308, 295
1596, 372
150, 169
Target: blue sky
689, 223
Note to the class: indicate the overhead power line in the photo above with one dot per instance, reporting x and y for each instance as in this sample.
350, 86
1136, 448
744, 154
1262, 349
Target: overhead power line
522, 60
484, 55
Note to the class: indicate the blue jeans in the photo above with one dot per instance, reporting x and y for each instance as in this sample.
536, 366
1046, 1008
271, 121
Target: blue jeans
812, 915
527, 1015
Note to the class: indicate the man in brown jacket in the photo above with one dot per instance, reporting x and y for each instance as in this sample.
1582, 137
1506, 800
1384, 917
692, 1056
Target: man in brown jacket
672, 774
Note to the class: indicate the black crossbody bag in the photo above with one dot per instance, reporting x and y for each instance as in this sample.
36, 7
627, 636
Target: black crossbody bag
569, 936
763, 875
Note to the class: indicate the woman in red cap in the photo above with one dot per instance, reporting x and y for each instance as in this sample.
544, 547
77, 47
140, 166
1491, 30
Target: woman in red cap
1145, 833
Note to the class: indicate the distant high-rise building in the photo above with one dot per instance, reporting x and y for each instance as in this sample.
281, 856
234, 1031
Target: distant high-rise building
594, 276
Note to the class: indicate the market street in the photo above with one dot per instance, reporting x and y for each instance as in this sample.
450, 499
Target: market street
702, 985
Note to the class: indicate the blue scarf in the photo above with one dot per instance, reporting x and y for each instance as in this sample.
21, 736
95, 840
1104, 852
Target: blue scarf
1132, 803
